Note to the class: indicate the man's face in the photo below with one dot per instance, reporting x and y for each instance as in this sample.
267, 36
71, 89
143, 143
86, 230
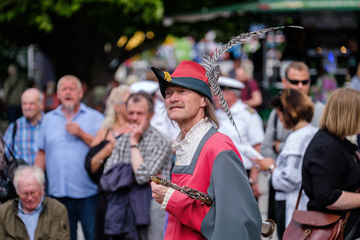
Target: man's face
30, 192
182, 104
136, 111
241, 75
31, 105
298, 80
228, 96
69, 93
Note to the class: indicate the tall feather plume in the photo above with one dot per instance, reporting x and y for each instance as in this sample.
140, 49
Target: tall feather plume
213, 71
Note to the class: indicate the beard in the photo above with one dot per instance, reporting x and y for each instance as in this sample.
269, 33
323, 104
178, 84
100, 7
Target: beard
69, 107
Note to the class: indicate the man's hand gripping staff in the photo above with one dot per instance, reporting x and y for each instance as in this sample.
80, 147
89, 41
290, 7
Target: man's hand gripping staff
267, 228
192, 193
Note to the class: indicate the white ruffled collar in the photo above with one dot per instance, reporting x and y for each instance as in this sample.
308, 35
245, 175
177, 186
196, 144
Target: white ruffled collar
181, 143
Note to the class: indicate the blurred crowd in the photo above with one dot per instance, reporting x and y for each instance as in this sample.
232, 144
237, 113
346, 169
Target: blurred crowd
98, 148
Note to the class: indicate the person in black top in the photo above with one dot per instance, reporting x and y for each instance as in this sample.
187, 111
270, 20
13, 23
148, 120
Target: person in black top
331, 166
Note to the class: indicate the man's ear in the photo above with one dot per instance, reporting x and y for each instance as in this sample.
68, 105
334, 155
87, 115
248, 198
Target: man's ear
203, 102
284, 82
151, 115
81, 93
43, 189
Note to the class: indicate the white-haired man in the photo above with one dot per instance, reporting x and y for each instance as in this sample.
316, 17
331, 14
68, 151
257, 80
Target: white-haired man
206, 160
32, 215
64, 139
248, 122
21, 135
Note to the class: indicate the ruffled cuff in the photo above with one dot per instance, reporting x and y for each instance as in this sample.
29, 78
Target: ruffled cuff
167, 197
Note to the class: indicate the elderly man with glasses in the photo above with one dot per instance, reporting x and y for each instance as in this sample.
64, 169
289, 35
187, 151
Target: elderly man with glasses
297, 76
32, 215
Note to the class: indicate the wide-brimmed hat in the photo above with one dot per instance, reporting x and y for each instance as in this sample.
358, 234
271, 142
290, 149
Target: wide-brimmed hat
188, 74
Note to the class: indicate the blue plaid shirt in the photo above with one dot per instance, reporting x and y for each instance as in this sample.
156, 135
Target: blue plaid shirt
24, 145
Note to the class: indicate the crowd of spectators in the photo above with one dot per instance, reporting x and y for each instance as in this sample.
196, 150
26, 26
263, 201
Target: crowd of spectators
98, 166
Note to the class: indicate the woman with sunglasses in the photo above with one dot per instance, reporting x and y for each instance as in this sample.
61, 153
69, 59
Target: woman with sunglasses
331, 168
295, 111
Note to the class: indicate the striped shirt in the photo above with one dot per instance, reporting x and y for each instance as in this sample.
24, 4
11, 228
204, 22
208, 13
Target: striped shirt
24, 144
155, 149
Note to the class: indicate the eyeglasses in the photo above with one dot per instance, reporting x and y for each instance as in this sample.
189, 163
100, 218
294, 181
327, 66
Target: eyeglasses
120, 103
32, 194
296, 82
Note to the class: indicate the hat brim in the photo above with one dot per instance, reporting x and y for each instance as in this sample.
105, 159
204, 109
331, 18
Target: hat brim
188, 82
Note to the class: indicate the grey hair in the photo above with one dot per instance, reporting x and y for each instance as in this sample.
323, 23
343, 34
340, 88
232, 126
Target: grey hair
116, 94
33, 170
41, 96
78, 82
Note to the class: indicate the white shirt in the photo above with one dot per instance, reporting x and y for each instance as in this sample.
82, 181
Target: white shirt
185, 147
286, 177
249, 124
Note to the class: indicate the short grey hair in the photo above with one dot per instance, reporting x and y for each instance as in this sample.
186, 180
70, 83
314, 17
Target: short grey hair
33, 170
66, 77
41, 96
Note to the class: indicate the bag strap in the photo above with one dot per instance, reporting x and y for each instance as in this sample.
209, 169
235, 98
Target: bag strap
107, 132
13, 135
298, 200
11, 153
276, 117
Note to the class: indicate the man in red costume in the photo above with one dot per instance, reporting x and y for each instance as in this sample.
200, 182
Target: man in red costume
206, 160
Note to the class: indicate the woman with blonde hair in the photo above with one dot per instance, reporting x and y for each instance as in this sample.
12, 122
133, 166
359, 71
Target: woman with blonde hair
295, 111
114, 125
331, 167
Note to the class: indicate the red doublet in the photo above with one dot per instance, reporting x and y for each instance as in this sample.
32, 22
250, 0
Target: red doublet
186, 214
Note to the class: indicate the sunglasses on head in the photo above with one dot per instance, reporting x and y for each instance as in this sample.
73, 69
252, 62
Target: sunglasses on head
296, 82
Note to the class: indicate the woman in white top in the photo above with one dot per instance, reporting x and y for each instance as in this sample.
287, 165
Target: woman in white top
295, 111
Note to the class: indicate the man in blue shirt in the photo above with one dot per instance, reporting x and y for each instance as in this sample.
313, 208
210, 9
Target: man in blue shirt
22, 139
32, 215
63, 142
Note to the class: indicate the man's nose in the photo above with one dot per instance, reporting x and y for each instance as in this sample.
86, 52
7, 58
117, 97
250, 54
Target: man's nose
174, 97
300, 85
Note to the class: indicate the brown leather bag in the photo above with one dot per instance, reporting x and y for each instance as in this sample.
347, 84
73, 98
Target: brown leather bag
313, 225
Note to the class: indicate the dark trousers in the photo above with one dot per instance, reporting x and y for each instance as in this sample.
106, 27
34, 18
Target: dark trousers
271, 201
82, 210
100, 216
280, 208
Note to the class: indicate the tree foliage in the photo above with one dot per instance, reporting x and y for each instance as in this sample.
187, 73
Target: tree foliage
39, 12
72, 33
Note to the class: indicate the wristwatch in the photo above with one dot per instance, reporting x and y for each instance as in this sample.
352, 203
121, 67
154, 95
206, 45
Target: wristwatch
252, 182
134, 146
272, 166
